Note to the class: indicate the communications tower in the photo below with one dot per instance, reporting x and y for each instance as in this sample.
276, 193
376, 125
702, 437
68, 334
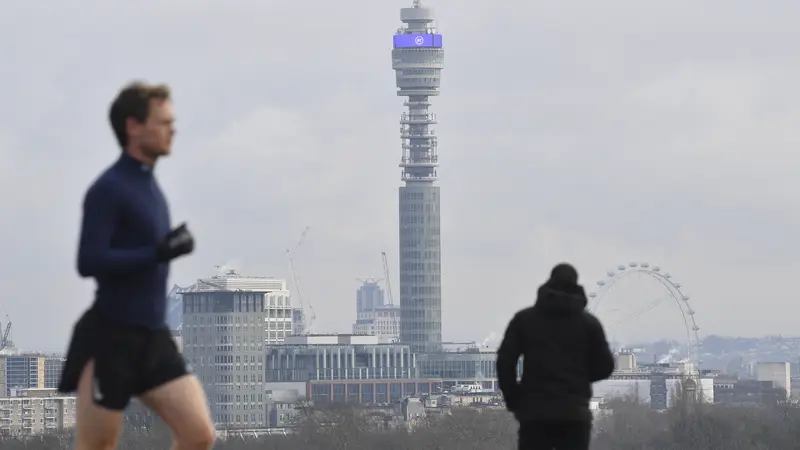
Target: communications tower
417, 58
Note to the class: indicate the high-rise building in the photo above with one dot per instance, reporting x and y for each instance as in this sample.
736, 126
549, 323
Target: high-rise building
175, 301
373, 315
417, 58
227, 323
369, 296
277, 304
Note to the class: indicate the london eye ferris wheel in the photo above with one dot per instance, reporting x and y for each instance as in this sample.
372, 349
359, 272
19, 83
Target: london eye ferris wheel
668, 291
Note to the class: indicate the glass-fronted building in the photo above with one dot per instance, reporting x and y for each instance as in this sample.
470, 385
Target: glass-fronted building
52, 372
26, 371
370, 392
348, 368
338, 357
468, 366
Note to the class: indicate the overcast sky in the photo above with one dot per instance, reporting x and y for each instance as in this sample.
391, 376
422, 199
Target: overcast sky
594, 132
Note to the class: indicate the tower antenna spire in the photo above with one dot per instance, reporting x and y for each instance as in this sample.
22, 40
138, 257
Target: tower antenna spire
417, 3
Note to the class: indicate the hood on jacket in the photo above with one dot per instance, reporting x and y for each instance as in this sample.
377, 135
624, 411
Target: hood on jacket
561, 298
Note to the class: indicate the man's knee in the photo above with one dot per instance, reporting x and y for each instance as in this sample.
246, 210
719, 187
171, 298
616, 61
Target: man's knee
96, 427
201, 438
181, 403
98, 430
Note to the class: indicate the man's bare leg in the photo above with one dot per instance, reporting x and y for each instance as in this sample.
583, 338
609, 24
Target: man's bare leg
98, 428
181, 403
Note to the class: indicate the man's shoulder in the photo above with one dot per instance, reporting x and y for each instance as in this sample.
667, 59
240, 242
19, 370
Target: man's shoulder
526, 317
525, 313
591, 320
105, 184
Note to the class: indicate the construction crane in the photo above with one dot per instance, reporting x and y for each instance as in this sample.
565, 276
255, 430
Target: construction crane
291, 254
388, 279
5, 341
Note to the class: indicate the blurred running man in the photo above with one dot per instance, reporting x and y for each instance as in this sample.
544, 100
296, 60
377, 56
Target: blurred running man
122, 348
564, 350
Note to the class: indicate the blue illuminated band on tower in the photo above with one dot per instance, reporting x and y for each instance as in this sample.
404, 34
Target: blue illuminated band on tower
417, 40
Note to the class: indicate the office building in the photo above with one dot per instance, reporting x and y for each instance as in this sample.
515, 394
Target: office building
373, 315
298, 321
748, 393
417, 59
369, 296
29, 370
341, 368
458, 365
227, 323
276, 303
228, 280
338, 357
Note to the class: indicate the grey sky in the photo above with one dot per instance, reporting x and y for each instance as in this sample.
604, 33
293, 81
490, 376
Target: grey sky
594, 132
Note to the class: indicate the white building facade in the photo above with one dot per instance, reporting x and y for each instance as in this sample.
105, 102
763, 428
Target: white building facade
639, 388
779, 373
36, 411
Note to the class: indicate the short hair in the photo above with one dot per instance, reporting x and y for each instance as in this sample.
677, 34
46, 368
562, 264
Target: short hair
133, 102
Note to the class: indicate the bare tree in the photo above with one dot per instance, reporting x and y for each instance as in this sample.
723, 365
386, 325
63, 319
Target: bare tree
689, 425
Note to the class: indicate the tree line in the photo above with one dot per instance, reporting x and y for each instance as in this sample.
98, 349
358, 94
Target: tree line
630, 427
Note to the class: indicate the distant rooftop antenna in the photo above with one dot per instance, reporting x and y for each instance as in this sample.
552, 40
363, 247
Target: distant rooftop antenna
417, 3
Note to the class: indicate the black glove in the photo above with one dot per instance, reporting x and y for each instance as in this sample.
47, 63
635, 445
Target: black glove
177, 243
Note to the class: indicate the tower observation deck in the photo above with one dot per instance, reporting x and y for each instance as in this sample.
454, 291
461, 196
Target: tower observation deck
417, 59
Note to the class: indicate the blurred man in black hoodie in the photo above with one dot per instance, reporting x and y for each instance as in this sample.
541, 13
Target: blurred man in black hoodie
564, 351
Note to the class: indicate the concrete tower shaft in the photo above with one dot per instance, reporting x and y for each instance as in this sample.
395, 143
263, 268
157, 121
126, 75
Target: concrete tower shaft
417, 59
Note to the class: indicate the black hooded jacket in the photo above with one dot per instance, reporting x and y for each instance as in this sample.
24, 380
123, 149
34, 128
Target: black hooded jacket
564, 351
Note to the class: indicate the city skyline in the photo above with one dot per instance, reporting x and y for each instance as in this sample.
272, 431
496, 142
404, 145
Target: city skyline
573, 132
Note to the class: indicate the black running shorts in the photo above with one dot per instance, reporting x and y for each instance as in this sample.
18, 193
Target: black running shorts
128, 360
